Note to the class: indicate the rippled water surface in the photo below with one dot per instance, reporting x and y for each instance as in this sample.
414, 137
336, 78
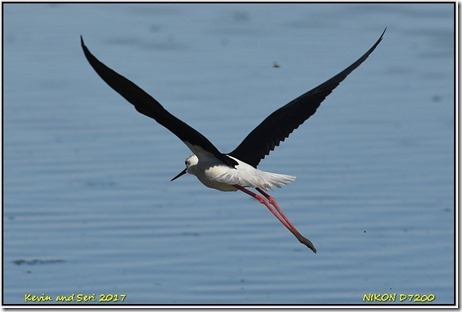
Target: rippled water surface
88, 203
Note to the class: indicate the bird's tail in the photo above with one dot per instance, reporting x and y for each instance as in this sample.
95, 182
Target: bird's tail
273, 180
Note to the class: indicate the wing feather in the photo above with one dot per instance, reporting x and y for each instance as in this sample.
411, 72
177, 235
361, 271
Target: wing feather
281, 123
147, 105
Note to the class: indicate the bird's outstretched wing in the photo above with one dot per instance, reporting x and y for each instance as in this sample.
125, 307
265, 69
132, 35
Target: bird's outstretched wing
280, 124
147, 105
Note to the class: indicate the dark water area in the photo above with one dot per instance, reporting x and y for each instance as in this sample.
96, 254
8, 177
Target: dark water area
89, 208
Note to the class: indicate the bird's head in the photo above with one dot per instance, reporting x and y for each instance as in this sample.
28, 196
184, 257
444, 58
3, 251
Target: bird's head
190, 163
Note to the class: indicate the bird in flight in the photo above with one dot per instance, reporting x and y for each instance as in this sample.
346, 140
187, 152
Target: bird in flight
236, 170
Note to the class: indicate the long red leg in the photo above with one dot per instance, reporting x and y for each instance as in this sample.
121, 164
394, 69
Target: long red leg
300, 237
278, 213
273, 202
262, 200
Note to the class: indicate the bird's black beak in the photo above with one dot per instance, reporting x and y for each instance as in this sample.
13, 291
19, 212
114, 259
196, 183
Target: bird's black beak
179, 174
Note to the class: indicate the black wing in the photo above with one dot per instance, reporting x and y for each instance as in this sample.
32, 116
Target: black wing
147, 105
280, 124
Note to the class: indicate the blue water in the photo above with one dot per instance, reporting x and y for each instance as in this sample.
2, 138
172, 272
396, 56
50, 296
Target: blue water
88, 204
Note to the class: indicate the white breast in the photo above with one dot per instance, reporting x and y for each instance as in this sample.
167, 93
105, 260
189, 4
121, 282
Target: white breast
214, 174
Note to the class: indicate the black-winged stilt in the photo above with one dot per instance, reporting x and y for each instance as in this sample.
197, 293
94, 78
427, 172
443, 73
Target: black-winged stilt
236, 170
